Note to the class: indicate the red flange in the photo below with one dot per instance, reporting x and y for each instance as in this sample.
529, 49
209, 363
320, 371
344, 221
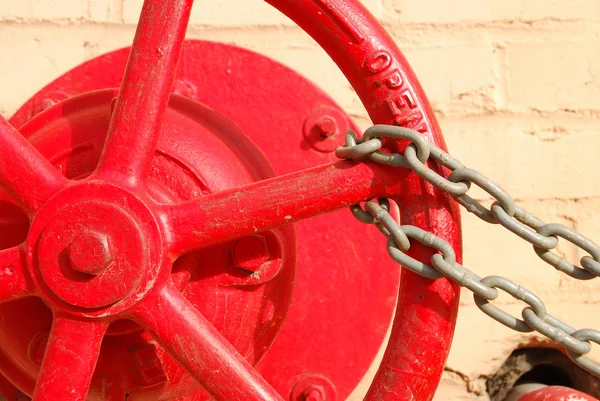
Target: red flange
136, 215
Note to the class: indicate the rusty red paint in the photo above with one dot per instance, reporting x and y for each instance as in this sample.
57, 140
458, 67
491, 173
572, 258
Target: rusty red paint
147, 228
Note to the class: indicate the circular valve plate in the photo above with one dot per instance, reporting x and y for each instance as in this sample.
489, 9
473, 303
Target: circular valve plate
343, 299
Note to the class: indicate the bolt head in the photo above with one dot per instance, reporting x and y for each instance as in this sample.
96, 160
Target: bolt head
314, 388
90, 253
314, 393
250, 253
326, 126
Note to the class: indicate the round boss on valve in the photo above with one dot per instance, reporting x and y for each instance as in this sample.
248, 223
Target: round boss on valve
158, 254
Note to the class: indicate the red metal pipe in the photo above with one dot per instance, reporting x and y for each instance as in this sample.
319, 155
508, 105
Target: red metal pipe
198, 347
24, 172
73, 346
145, 92
232, 214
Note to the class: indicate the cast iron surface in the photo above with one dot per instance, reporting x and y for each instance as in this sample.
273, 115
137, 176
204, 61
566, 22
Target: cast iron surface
332, 282
132, 227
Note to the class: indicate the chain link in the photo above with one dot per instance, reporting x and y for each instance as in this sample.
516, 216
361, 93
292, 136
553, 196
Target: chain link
503, 211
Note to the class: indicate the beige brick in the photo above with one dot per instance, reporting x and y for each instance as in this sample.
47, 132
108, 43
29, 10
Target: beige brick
481, 344
457, 76
531, 157
558, 9
453, 388
104, 39
232, 12
432, 11
37, 56
490, 249
43, 9
218, 13
557, 75
105, 10
458, 11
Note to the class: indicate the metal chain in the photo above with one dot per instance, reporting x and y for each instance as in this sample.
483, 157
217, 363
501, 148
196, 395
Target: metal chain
544, 237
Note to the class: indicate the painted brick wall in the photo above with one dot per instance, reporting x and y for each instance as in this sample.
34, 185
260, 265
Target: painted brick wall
515, 84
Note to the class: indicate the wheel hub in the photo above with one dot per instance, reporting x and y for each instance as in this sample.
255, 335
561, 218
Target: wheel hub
95, 238
94, 250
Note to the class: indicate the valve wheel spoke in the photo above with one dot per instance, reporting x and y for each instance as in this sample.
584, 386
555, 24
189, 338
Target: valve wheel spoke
144, 95
24, 172
69, 360
263, 205
13, 284
200, 349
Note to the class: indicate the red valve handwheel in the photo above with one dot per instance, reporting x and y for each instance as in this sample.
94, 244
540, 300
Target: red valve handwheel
101, 248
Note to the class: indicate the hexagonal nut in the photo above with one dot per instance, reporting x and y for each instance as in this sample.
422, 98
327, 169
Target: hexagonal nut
314, 392
90, 253
324, 128
314, 387
327, 126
